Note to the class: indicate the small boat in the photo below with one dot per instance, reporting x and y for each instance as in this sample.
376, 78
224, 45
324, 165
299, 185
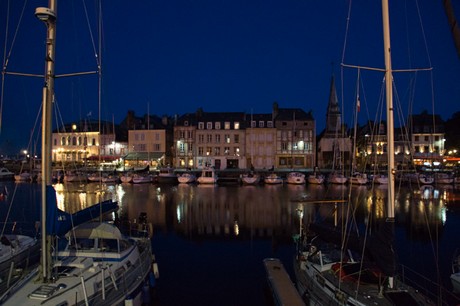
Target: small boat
111, 178
167, 176
6, 174
316, 178
443, 178
337, 178
23, 177
208, 176
139, 178
186, 178
455, 276
95, 177
295, 178
358, 178
380, 179
250, 178
127, 177
273, 179
17, 254
74, 176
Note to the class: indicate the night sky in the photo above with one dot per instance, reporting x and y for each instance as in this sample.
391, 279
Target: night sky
170, 57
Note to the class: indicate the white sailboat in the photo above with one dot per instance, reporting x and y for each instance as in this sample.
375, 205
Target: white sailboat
331, 273
99, 265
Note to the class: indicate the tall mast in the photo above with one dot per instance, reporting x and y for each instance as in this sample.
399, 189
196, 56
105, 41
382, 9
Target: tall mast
48, 16
390, 122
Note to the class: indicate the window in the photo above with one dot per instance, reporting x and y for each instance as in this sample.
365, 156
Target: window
209, 125
157, 136
208, 138
156, 147
284, 146
217, 125
201, 125
185, 123
208, 151
227, 138
201, 138
79, 141
217, 138
200, 151
217, 151
261, 124
270, 124
226, 150
426, 138
94, 142
416, 138
253, 124
181, 147
236, 138
63, 141
189, 134
236, 125
182, 134
227, 125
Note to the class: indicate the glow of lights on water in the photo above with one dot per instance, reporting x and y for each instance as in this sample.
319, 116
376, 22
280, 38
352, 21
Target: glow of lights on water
236, 228
119, 194
60, 196
83, 196
179, 214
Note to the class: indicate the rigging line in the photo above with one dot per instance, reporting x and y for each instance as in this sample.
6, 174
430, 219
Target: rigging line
347, 27
90, 33
423, 33
383, 69
5, 56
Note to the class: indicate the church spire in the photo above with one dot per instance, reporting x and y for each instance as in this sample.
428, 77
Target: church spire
333, 121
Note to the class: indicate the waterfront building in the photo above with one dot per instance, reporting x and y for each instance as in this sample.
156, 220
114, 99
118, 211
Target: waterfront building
149, 141
260, 141
427, 138
295, 138
85, 142
210, 139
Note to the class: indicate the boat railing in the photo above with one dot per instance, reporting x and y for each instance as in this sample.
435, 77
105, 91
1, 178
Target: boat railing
430, 288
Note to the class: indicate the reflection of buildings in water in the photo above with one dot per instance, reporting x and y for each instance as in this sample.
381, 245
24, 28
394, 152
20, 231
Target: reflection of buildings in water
249, 211
74, 197
143, 198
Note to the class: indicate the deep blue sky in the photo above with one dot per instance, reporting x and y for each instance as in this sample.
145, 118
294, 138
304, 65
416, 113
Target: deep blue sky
172, 57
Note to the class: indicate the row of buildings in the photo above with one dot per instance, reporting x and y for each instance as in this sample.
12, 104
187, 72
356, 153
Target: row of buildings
286, 138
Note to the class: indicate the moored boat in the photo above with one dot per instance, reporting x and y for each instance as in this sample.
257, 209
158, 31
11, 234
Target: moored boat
208, 176
273, 179
186, 178
167, 176
295, 177
250, 178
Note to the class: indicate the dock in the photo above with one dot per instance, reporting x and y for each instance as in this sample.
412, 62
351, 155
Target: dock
283, 289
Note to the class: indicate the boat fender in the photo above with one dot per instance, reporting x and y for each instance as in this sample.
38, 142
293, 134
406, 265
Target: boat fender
155, 270
341, 296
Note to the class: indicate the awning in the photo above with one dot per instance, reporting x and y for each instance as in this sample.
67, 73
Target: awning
143, 156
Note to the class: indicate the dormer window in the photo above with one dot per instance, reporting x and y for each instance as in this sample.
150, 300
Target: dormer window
201, 125
217, 125
185, 123
236, 125
270, 124
261, 124
209, 125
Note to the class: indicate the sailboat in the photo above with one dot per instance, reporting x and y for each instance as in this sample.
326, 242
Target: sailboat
332, 272
98, 265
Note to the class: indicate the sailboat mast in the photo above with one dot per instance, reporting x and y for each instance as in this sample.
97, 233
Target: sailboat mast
389, 105
48, 16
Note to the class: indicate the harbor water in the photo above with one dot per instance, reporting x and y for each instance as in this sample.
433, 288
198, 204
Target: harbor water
210, 241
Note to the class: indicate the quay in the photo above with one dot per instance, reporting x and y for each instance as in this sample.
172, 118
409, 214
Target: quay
283, 289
